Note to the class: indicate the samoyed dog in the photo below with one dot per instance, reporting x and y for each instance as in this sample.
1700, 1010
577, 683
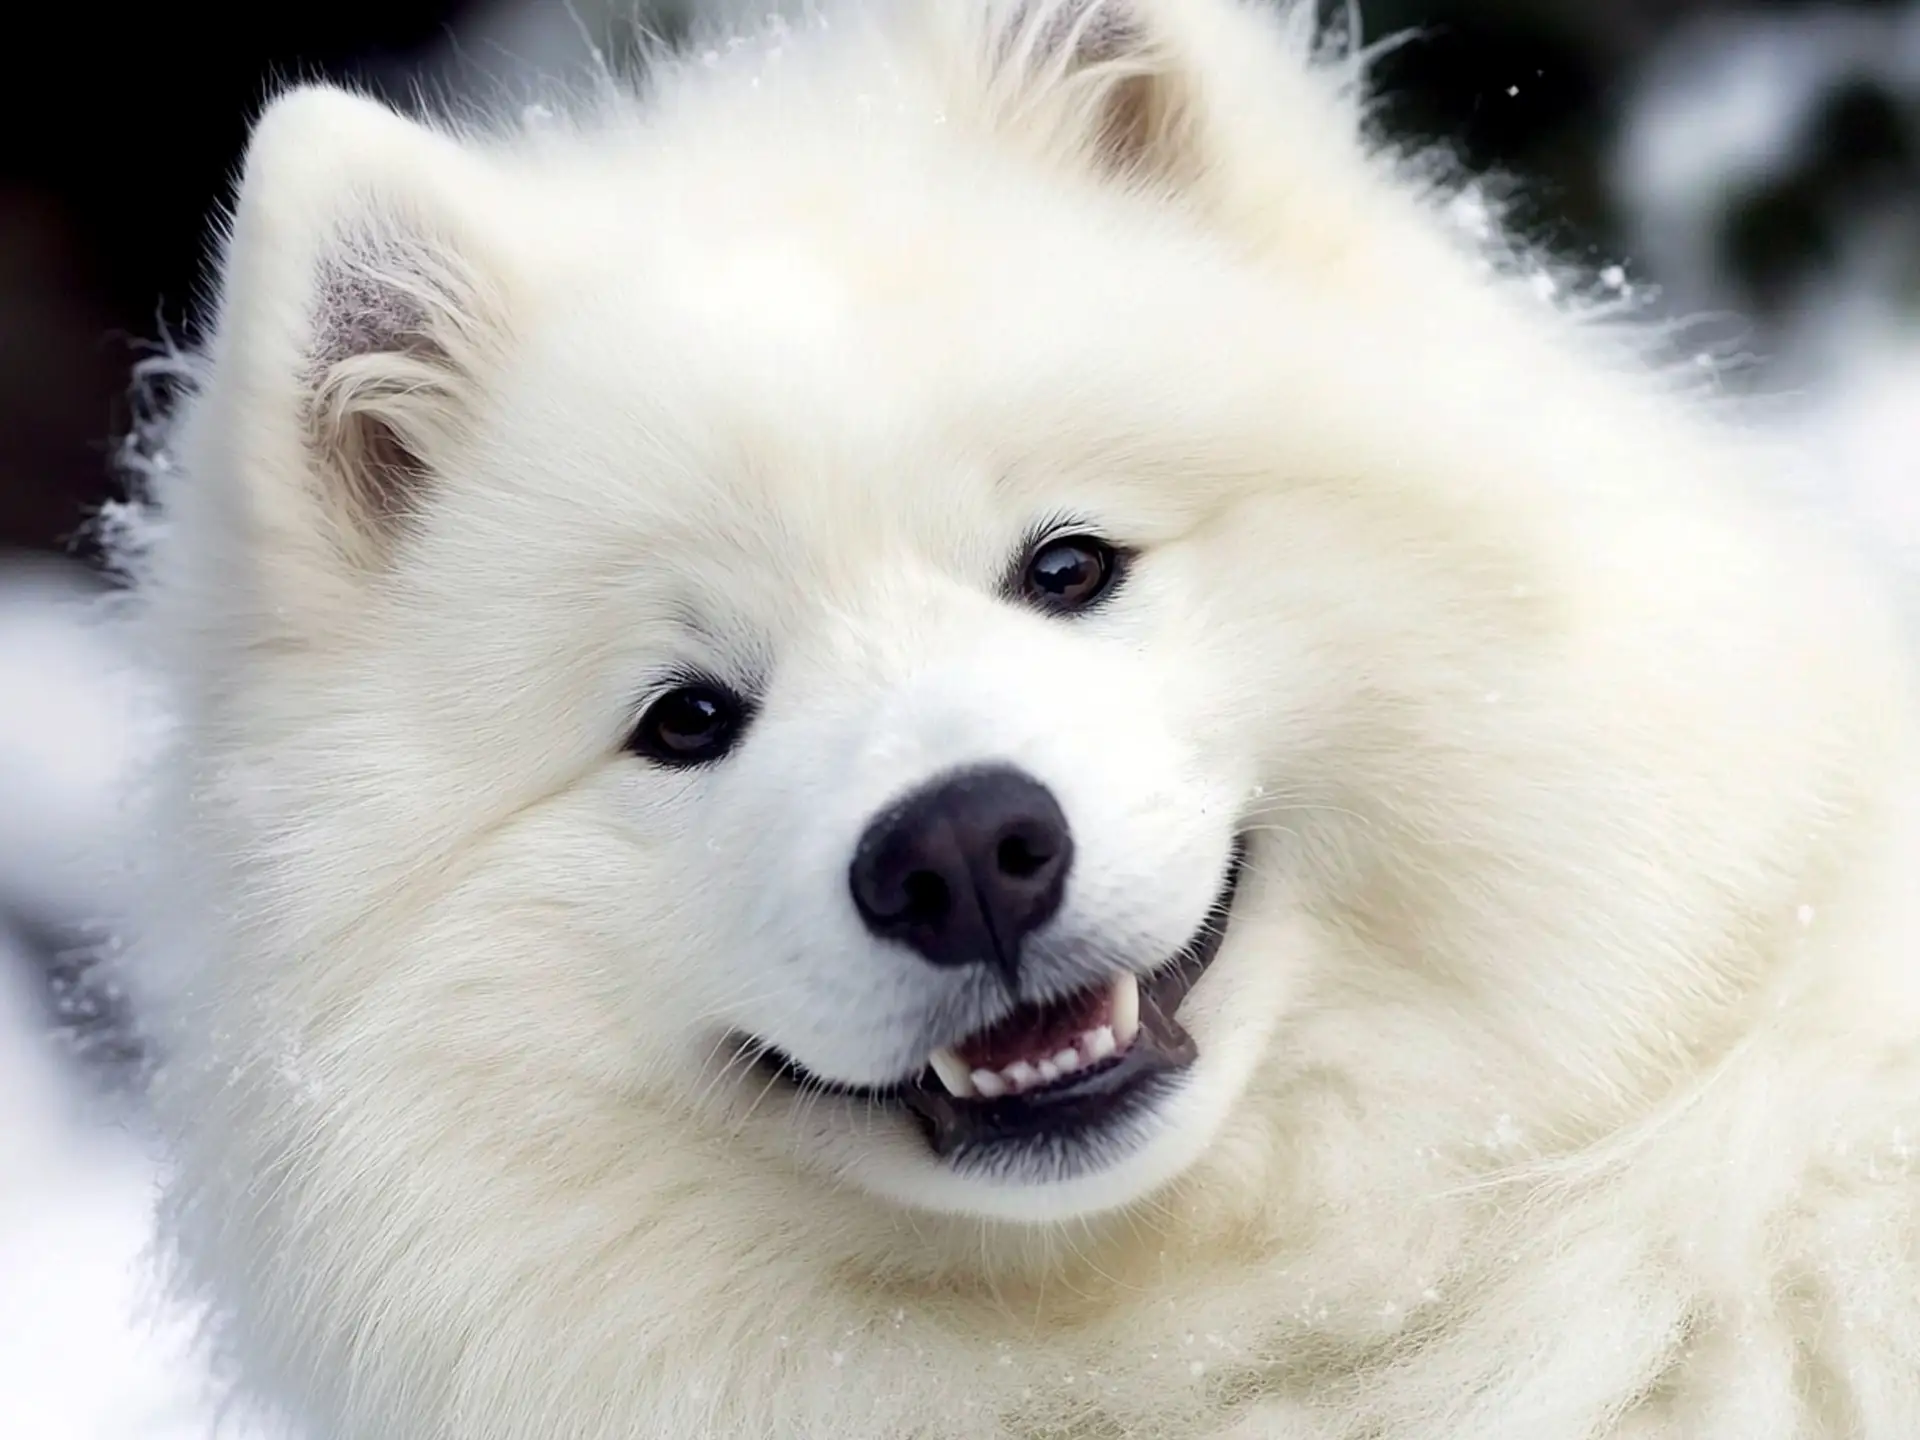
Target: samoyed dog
959, 730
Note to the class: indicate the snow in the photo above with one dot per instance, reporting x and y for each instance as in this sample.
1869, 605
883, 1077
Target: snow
1730, 102
86, 1351
65, 742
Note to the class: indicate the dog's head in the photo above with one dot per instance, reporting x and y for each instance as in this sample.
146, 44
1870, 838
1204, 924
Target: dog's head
922, 601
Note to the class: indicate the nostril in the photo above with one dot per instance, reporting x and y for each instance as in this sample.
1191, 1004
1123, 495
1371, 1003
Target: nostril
928, 898
1021, 857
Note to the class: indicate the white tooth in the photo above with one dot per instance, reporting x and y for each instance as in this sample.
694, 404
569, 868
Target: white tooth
1021, 1076
1098, 1044
1126, 1011
989, 1085
1049, 1072
1067, 1061
953, 1072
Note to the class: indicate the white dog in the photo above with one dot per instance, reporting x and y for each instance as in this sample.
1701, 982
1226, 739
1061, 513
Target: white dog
956, 730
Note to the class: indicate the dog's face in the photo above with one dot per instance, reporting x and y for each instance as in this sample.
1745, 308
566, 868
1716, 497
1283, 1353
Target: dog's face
886, 600
892, 642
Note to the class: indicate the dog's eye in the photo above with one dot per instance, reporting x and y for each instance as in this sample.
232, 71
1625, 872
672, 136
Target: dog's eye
689, 726
1069, 573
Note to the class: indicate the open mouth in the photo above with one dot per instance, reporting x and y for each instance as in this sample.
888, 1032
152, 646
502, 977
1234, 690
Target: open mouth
1054, 1069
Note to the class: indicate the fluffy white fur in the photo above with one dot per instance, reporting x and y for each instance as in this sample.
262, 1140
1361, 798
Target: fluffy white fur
1558, 1078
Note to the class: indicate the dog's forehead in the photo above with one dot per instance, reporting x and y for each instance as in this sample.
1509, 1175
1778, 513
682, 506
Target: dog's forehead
852, 274
813, 260
800, 342
735, 396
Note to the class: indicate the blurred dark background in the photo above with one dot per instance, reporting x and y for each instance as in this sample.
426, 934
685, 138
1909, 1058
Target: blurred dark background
109, 176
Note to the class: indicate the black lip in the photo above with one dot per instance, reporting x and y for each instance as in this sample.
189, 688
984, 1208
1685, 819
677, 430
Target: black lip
1084, 1103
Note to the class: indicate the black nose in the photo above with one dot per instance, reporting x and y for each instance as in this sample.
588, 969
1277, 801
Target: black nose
965, 868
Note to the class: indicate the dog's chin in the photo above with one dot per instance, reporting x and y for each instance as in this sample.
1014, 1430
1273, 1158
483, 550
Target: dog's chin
1079, 1103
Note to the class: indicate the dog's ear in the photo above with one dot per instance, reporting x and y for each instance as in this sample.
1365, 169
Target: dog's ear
360, 312
1241, 108
1097, 77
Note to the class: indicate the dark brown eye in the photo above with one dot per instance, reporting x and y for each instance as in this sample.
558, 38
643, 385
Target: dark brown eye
1069, 573
689, 726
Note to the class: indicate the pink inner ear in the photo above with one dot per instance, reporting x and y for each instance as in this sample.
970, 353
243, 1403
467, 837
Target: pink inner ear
381, 361
1083, 32
359, 311
1097, 30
